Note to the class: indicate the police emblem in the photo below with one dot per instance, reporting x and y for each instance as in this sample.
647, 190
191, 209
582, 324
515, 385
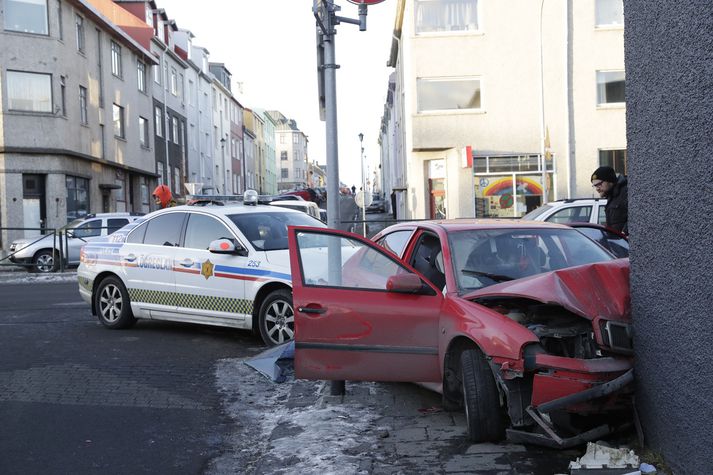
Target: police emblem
207, 269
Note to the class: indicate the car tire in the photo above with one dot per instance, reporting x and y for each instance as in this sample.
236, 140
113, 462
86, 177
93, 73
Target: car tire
112, 304
484, 417
277, 318
44, 262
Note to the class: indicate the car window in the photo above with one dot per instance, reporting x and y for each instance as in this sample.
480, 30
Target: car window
532, 215
486, 257
114, 224
612, 242
427, 258
268, 231
602, 215
164, 230
202, 230
573, 214
362, 266
396, 241
136, 236
89, 229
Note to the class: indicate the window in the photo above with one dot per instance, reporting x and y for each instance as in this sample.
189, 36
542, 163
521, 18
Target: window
448, 94
573, 214
144, 132
174, 82
27, 16
158, 121
161, 173
30, 92
59, 19
180, 86
396, 242
446, 15
191, 89
79, 28
174, 129
83, 116
176, 180
610, 87
77, 197
609, 12
141, 76
118, 116
295, 139
114, 224
116, 59
164, 230
91, 228
283, 155
62, 96
285, 173
202, 230
615, 159
282, 138
296, 155
156, 73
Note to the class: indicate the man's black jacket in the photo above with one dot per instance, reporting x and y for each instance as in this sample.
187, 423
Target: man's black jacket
617, 208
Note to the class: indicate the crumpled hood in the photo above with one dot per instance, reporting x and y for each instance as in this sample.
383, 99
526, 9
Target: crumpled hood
592, 290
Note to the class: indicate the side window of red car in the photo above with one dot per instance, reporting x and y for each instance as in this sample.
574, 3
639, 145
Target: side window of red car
396, 241
427, 258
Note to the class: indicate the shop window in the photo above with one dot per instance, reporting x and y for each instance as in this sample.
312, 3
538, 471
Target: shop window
446, 16
442, 94
27, 16
610, 87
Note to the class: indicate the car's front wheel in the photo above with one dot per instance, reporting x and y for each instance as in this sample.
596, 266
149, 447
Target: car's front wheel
483, 414
112, 304
44, 262
277, 318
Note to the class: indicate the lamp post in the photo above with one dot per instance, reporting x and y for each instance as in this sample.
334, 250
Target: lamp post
363, 185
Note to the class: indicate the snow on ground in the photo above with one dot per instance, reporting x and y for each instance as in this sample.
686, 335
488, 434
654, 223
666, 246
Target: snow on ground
27, 278
285, 428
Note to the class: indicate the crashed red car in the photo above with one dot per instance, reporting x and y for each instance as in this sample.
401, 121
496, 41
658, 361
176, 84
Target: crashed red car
524, 325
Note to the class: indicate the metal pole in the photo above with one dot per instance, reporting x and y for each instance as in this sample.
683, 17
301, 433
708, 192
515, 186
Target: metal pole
543, 163
363, 185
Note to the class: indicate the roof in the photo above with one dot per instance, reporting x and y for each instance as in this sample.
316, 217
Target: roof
230, 208
450, 225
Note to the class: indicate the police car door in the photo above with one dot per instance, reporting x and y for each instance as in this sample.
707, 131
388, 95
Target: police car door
147, 261
209, 286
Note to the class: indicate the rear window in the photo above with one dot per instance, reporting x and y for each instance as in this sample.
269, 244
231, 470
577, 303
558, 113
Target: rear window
268, 231
532, 215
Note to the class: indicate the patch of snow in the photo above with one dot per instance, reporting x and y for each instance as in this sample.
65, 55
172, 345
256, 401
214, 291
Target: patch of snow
39, 278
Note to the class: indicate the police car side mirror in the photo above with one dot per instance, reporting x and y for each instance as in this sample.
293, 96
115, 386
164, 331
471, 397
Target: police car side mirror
227, 246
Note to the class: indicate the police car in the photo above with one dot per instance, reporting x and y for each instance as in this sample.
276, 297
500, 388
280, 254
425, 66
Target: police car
216, 265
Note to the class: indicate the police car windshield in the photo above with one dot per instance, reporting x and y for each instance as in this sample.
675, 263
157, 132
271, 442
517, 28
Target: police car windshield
268, 231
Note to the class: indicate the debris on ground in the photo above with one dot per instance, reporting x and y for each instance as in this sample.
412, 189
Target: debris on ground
603, 460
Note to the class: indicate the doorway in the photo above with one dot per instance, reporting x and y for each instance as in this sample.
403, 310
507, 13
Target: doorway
33, 204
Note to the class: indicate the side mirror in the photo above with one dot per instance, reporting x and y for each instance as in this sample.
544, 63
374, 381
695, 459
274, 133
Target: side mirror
404, 284
227, 246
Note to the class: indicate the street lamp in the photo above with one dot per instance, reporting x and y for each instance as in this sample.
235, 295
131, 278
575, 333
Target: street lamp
363, 185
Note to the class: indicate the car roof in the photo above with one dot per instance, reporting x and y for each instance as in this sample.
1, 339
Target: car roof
308, 204
229, 209
118, 214
450, 225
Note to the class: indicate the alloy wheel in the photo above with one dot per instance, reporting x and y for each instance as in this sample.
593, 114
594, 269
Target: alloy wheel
280, 321
110, 303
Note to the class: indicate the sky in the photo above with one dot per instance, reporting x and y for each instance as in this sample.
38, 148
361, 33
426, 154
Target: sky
269, 47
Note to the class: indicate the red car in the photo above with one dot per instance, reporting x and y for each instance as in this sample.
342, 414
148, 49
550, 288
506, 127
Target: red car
524, 325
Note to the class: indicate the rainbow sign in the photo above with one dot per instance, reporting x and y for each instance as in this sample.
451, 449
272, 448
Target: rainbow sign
501, 186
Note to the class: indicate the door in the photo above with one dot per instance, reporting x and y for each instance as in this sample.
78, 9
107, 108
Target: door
33, 204
210, 287
351, 322
147, 260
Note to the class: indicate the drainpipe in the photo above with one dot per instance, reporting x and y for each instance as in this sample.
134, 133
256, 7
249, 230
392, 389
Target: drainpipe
164, 74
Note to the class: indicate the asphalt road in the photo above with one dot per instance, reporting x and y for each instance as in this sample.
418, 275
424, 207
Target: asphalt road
78, 398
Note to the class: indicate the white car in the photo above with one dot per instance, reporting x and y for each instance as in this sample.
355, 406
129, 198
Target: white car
575, 210
38, 253
308, 207
216, 265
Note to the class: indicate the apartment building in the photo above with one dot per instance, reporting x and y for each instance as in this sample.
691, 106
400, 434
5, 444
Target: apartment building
220, 94
75, 113
269, 125
236, 144
291, 145
496, 106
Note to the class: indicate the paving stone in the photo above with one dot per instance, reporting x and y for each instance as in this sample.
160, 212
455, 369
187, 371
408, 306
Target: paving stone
476, 463
488, 448
408, 434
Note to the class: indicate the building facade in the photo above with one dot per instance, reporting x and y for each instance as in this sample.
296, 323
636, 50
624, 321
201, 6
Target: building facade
291, 146
75, 114
491, 122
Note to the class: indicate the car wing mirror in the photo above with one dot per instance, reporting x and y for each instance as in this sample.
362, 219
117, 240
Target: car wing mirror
404, 284
227, 246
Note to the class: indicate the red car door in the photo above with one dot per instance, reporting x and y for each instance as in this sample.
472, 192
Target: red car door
361, 314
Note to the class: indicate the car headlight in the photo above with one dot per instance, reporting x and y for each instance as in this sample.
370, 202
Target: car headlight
617, 335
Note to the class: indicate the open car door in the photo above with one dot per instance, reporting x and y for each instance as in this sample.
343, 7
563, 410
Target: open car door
361, 314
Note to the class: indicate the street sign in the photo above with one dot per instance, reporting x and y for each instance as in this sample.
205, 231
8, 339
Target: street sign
363, 199
365, 2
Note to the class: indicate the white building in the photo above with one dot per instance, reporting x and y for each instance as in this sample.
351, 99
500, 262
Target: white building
291, 147
536, 107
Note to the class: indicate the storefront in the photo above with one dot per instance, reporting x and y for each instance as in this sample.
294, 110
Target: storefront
511, 185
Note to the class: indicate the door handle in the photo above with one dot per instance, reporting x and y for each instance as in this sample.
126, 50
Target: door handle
130, 257
311, 310
187, 263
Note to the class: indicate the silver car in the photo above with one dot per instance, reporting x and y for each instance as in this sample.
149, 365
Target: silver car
38, 253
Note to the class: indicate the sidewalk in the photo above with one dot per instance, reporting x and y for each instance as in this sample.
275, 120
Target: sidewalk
376, 428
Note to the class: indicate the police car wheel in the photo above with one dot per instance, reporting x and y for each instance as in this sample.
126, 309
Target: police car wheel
112, 304
277, 318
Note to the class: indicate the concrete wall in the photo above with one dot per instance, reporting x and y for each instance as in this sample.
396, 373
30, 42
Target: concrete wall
669, 123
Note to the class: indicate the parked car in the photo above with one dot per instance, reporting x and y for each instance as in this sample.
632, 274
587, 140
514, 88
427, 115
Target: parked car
41, 251
216, 265
308, 207
378, 205
307, 194
575, 210
524, 325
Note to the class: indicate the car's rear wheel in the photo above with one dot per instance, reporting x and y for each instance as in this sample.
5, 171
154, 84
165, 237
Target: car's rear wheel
44, 262
483, 414
277, 318
113, 305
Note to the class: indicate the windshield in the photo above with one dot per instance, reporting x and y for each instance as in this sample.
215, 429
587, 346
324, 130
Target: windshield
73, 224
268, 231
485, 257
532, 215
